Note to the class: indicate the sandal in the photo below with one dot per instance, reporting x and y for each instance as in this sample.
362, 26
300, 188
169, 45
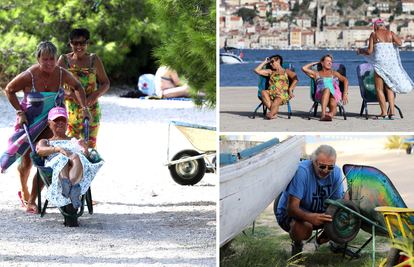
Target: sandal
24, 202
385, 117
391, 116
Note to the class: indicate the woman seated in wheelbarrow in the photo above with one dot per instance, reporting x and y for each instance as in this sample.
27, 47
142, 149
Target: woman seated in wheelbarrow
72, 171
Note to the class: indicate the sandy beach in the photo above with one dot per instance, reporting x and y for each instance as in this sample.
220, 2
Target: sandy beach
142, 218
237, 105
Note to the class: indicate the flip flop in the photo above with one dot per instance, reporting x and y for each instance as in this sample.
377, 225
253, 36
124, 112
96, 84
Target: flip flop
75, 194
34, 211
328, 117
385, 117
391, 115
24, 202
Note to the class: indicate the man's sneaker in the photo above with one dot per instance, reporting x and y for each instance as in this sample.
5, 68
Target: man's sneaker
296, 249
339, 250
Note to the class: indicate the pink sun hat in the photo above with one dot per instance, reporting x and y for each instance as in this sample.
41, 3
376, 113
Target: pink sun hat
378, 21
57, 112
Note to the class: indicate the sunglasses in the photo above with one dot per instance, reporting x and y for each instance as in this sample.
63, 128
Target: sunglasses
323, 167
79, 43
271, 61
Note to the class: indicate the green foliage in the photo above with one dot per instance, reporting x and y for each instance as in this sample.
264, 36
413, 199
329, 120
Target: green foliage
246, 14
270, 246
361, 23
356, 4
366, 1
188, 42
122, 33
391, 19
398, 11
376, 11
341, 3
394, 141
407, 248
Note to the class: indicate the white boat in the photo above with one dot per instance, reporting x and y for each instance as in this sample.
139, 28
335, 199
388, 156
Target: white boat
229, 57
250, 185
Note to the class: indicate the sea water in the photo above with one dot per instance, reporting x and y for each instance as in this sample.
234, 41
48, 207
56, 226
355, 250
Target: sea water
243, 74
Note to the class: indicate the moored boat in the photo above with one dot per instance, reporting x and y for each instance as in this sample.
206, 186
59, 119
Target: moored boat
249, 185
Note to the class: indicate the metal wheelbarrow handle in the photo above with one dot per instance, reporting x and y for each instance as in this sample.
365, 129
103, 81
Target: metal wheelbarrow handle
26, 129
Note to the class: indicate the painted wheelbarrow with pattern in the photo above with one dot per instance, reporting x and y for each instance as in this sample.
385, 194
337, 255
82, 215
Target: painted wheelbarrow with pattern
368, 188
188, 166
400, 224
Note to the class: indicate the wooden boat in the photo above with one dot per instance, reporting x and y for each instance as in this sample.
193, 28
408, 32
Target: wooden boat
250, 185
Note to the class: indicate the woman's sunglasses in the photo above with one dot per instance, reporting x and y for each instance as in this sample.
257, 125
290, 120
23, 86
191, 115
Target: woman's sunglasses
79, 43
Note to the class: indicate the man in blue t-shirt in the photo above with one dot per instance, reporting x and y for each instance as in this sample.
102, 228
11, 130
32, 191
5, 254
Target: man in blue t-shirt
302, 205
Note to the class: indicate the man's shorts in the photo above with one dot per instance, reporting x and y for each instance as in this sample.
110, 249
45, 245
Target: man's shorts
284, 223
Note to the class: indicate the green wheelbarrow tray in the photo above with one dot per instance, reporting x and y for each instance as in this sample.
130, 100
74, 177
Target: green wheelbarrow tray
368, 188
44, 174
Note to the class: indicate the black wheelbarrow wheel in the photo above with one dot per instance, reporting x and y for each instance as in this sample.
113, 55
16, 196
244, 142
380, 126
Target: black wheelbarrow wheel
395, 258
189, 172
345, 225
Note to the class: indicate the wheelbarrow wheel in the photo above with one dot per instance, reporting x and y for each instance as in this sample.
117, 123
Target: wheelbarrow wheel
344, 226
188, 172
395, 258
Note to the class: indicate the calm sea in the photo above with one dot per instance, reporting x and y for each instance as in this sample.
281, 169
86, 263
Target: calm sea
243, 75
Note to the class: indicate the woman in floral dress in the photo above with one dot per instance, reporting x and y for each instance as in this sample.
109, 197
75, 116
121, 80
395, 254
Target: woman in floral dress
88, 69
72, 171
279, 91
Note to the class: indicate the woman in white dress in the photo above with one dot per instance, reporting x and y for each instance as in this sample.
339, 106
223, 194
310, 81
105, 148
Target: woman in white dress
382, 53
72, 171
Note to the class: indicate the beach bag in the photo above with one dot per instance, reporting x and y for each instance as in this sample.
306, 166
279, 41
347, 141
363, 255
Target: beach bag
146, 84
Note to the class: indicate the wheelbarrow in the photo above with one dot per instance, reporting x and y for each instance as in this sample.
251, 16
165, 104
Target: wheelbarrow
188, 167
44, 175
400, 224
368, 188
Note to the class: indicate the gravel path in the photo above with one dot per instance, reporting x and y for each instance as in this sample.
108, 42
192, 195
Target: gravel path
130, 226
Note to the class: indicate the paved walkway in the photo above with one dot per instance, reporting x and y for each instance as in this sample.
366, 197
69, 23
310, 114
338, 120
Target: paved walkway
237, 105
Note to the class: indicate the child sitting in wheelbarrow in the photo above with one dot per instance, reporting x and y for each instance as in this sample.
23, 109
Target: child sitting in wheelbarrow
72, 171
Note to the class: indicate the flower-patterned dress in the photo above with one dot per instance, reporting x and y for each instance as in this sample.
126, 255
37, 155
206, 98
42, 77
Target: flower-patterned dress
279, 86
57, 161
76, 126
387, 63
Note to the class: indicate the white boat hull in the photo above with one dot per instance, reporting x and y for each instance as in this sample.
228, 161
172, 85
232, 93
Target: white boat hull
249, 186
230, 58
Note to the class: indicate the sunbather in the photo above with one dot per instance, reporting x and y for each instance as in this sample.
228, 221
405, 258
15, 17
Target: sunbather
168, 84
72, 171
383, 55
327, 89
279, 91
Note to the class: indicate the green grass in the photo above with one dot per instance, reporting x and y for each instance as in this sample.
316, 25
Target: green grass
271, 247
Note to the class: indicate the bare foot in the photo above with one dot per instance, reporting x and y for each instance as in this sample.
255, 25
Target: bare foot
30, 207
270, 116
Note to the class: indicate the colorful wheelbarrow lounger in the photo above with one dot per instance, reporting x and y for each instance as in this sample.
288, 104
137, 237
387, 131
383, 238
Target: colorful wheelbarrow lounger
372, 196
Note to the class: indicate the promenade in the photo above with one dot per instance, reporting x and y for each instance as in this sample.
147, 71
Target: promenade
237, 105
